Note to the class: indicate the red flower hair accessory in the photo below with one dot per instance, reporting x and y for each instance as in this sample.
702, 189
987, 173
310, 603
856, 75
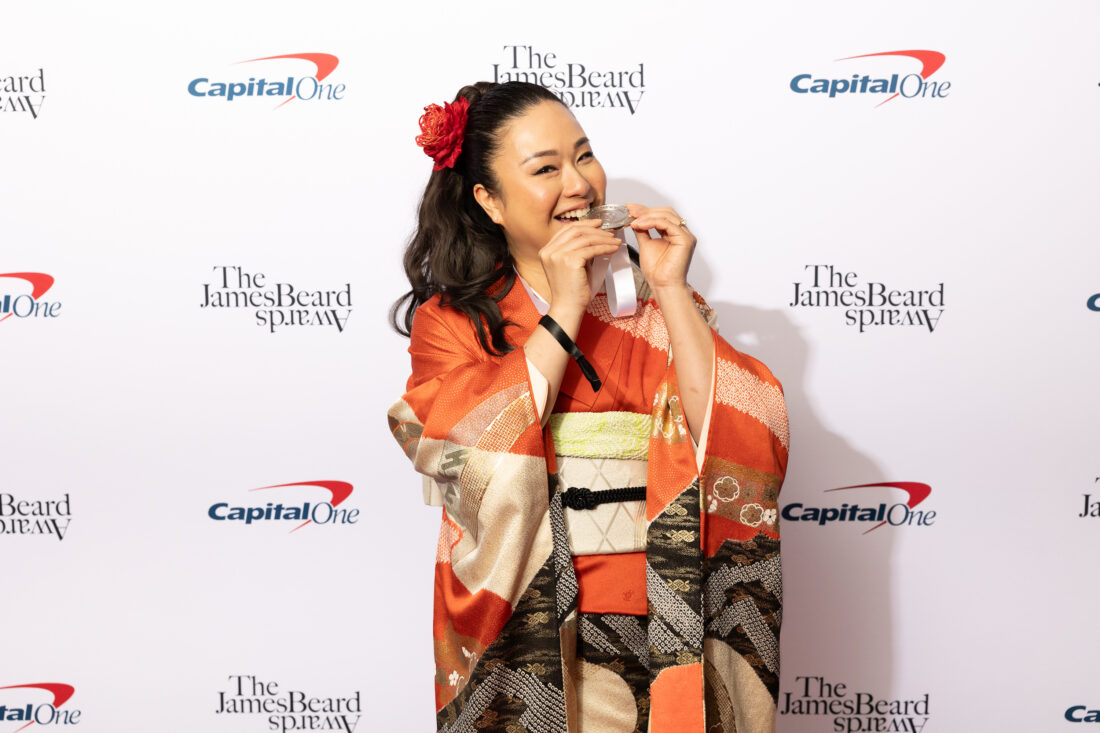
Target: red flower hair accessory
441, 130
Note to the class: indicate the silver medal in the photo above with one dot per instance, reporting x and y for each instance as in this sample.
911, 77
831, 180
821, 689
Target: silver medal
612, 216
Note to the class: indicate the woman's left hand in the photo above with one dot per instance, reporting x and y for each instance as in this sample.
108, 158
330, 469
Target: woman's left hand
665, 258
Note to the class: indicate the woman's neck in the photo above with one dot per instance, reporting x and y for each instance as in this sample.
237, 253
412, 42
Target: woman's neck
532, 272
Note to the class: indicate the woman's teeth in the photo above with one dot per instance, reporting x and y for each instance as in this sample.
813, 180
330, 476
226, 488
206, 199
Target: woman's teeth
577, 214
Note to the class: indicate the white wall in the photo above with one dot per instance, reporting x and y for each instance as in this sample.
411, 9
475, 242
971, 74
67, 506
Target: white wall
146, 409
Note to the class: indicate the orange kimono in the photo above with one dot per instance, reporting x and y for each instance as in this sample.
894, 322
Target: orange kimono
508, 608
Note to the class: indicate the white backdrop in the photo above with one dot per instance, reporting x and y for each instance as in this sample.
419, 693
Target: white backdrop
146, 409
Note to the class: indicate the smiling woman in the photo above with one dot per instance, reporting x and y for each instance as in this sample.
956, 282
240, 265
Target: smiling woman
609, 552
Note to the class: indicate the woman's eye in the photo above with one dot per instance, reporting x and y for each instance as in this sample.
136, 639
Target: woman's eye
588, 154
544, 169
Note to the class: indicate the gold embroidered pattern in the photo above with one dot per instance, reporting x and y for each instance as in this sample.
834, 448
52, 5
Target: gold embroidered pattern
681, 535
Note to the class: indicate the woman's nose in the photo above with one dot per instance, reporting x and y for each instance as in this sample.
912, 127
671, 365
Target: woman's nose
574, 183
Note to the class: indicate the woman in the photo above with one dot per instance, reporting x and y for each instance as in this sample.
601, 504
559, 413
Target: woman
609, 553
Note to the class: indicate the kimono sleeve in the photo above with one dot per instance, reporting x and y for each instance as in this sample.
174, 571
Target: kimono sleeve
743, 444
712, 544
465, 413
468, 423
746, 446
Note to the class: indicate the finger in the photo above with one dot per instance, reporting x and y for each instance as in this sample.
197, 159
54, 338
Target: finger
595, 250
574, 227
657, 210
641, 230
571, 231
662, 213
579, 253
581, 225
666, 221
641, 212
587, 245
598, 235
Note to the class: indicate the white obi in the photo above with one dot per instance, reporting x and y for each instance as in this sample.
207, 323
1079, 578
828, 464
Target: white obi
601, 451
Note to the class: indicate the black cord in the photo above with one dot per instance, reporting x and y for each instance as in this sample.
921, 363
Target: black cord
571, 348
579, 498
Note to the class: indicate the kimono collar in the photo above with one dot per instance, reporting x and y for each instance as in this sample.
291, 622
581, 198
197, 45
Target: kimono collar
540, 303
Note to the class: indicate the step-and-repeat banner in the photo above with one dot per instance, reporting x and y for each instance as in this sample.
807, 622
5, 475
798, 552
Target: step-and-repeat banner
205, 524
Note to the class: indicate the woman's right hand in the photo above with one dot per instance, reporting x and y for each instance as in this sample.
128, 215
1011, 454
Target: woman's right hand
565, 258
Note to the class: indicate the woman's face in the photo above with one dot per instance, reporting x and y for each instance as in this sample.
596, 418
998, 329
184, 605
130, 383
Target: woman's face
547, 175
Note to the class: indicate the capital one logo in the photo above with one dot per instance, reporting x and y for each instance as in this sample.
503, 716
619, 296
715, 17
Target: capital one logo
16, 301
305, 509
868, 506
289, 88
1082, 714
910, 85
25, 705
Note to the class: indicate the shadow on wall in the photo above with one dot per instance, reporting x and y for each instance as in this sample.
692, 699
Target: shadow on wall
839, 617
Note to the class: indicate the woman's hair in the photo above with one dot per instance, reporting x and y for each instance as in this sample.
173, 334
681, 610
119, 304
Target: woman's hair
457, 250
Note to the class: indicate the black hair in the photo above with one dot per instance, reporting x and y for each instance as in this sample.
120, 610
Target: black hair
457, 251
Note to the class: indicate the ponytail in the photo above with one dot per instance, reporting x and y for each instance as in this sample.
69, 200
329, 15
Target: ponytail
457, 251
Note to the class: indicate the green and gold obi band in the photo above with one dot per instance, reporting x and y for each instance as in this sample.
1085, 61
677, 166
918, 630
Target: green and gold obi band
602, 434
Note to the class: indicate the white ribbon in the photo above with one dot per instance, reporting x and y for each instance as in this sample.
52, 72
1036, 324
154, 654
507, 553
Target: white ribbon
618, 276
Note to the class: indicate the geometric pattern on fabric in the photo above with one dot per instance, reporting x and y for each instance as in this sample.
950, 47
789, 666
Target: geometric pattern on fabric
495, 422
615, 527
405, 427
631, 631
602, 474
743, 596
742, 390
618, 526
672, 609
565, 576
736, 700
591, 635
768, 572
510, 685
520, 671
482, 450
449, 535
501, 418
674, 583
744, 613
646, 324
663, 639
600, 643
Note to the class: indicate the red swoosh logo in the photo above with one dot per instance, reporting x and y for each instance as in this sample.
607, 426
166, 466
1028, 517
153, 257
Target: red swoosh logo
325, 63
61, 693
40, 283
930, 61
917, 493
339, 490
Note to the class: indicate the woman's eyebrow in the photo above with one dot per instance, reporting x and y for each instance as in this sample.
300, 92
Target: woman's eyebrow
579, 144
540, 154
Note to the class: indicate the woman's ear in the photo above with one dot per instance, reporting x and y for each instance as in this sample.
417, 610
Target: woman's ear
489, 202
